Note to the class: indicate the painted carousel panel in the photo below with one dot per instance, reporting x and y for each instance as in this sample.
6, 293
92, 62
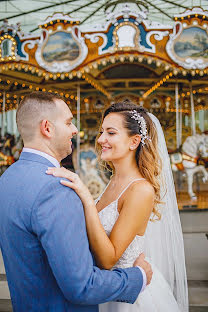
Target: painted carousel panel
60, 47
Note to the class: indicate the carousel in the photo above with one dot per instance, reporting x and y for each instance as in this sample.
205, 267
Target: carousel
126, 54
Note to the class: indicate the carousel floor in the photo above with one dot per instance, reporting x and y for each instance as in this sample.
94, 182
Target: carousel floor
185, 203
200, 189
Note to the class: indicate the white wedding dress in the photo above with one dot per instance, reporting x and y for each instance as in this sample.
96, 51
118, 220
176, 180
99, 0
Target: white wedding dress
157, 296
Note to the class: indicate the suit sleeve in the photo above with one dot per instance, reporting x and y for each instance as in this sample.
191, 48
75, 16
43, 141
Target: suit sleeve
58, 220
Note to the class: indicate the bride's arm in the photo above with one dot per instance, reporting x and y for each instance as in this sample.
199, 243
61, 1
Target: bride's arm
135, 213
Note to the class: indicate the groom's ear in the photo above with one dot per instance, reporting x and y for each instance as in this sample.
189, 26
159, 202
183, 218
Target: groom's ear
46, 128
135, 141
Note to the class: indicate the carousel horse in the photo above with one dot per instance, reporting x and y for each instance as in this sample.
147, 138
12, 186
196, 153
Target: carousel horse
194, 147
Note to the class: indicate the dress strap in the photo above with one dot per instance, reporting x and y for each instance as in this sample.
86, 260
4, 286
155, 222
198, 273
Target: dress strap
128, 186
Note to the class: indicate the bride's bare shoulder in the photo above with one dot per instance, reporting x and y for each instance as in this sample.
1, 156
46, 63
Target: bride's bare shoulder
140, 194
140, 187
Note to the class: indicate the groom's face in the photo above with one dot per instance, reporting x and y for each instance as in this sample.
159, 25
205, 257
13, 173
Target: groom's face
63, 130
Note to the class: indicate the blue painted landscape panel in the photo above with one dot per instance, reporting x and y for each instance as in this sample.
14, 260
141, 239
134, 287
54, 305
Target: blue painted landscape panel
60, 46
192, 42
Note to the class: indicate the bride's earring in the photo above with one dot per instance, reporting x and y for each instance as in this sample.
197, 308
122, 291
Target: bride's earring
131, 148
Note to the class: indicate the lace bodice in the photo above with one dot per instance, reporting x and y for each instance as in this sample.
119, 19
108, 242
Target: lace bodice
108, 217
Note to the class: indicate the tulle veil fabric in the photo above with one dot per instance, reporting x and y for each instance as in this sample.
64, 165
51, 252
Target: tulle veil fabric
163, 239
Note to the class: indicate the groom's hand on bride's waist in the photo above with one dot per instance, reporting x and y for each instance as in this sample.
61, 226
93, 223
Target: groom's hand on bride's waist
142, 263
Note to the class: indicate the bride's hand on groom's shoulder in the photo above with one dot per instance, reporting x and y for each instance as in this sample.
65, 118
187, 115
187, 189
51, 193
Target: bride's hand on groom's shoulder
73, 181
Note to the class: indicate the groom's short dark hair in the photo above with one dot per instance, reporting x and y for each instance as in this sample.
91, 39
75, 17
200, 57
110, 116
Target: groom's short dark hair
35, 107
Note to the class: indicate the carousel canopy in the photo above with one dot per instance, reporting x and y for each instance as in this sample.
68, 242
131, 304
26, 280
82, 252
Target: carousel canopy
31, 13
146, 51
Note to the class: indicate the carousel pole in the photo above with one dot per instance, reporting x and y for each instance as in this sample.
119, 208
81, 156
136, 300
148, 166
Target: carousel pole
192, 109
201, 120
3, 115
180, 121
177, 117
178, 130
78, 128
14, 123
180, 125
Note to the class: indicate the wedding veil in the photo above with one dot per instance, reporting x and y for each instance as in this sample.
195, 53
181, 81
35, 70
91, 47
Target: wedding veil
163, 239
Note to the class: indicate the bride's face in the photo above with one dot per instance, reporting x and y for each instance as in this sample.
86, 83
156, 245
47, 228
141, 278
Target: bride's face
114, 139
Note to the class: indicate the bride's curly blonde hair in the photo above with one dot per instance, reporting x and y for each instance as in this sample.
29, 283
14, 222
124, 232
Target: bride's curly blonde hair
147, 155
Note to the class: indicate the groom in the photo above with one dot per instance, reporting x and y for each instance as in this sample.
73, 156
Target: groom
43, 237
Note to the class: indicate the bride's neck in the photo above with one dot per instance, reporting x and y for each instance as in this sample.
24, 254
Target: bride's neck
125, 170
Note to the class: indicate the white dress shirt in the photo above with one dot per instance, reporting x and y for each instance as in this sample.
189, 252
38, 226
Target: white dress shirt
144, 278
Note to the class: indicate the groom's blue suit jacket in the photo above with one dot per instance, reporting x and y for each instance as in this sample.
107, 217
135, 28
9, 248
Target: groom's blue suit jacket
45, 249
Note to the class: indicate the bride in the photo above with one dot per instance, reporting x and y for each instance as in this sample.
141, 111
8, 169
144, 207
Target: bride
137, 211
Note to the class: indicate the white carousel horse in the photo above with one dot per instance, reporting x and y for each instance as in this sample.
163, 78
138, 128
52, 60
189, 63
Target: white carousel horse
195, 146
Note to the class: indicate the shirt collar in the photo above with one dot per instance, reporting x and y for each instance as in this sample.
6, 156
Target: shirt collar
53, 160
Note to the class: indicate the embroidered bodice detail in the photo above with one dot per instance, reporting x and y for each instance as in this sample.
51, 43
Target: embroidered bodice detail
108, 217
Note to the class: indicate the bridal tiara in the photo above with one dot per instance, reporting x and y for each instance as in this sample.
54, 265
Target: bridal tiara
143, 127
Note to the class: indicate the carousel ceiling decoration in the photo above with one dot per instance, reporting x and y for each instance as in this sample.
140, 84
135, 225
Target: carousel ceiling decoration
127, 53
31, 13
61, 48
